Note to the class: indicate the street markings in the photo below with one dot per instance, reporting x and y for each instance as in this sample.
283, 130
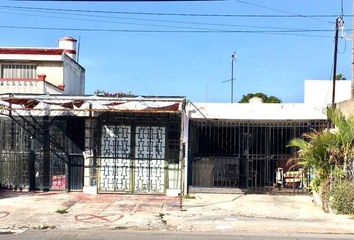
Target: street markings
96, 218
4, 214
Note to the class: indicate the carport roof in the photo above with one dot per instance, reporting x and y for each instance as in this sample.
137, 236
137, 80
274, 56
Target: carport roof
59, 105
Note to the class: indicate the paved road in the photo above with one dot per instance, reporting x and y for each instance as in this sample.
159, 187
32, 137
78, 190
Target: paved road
116, 234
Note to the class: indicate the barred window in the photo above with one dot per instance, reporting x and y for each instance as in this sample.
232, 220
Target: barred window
18, 71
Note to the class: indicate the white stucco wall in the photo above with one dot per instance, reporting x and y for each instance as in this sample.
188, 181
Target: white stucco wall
255, 111
319, 92
74, 77
28, 87
30, 57
31, 87
50, 89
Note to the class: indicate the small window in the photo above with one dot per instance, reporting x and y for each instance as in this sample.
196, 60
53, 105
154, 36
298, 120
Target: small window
19, 71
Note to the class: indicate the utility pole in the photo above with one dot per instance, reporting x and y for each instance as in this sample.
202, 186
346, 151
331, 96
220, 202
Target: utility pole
339, 22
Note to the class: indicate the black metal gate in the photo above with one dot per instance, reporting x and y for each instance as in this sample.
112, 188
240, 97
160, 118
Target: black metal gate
76, 172
35, 152
241, 154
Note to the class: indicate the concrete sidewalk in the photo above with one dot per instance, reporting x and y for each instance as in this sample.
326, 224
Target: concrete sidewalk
206, 212
259, 213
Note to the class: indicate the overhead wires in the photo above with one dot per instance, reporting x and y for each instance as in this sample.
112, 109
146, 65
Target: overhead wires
182, 26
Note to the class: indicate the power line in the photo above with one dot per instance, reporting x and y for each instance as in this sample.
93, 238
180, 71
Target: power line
125, 1
282, 11
141, 19
184, 22
105, 21
179, 14
164, 31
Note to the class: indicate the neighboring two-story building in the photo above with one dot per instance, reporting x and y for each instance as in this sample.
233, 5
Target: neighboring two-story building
42, 70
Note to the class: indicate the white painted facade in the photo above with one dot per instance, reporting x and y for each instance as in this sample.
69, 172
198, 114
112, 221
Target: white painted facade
317, 96
73, 77
255, 111
31, 57
319, 92
29, 87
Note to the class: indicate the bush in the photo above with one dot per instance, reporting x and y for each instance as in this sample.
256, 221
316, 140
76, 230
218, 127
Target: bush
341, 197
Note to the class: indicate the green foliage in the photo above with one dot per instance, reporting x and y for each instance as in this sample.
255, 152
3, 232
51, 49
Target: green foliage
116, 94
344, 133
341, 197
328, 154
62, 211
264, 97
188, 197
315, 184
314, 151
340, 76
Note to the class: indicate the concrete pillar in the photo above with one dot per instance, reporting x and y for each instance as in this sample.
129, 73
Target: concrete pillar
90, 185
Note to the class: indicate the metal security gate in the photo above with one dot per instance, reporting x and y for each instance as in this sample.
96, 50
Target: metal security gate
149, 173
41, 153
132, 159
115, 165
242, 154
76, 172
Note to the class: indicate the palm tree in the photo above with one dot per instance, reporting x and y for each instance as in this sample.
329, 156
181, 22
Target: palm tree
328, 151
314, 154
344, 132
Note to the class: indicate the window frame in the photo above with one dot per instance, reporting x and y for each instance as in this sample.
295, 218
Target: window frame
25, 70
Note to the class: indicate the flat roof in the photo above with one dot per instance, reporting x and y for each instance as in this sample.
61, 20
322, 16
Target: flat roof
256, 111
32, 51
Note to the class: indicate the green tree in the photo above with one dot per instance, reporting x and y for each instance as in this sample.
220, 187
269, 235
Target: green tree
328, 154
314, 151
328, 149
344, 133
264, 97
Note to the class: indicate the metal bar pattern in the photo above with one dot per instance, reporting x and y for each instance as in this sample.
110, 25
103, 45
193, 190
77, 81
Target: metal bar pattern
135, 151
23, 153
242, 154
148, 164
150, 159
115, 170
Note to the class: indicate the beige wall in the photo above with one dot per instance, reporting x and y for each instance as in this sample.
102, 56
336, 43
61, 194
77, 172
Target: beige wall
53, 71
66, 72
346, 107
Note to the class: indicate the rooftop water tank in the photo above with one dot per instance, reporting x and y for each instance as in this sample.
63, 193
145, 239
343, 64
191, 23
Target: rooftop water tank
69, 46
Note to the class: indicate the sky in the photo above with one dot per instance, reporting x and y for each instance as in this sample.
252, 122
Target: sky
192, 64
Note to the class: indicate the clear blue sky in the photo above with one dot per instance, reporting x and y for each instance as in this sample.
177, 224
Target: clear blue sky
190, 64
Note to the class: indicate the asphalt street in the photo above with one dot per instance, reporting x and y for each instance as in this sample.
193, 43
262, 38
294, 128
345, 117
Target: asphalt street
93, 234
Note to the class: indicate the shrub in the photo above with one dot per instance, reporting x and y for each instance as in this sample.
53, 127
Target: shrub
341, 197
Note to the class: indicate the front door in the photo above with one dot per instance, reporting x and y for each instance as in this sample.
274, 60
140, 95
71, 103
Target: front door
115, 165
149, 171
132, 159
